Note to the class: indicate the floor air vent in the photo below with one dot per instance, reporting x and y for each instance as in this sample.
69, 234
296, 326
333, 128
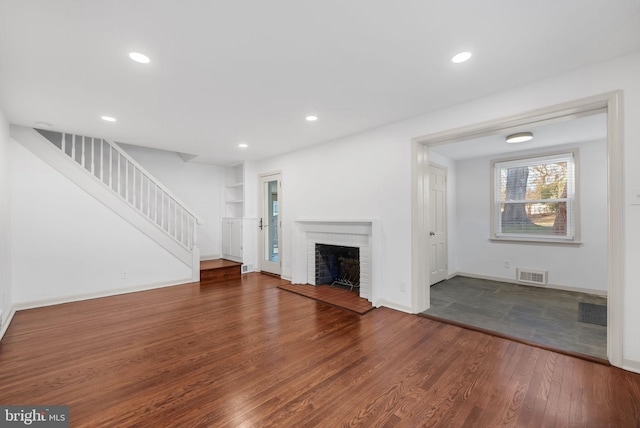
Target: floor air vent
530, 276
247, 268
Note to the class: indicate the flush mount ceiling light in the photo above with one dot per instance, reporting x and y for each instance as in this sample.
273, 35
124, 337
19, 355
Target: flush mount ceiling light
312, 118
138, 57
520, 137
243, 145
108, 118
43, 125
461, 57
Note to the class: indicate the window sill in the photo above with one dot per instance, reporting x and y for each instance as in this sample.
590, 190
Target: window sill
558, 242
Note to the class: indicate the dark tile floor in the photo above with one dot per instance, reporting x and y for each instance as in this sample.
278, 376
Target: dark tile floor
541, 315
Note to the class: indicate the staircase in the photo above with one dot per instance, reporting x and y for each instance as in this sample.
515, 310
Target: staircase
109, 174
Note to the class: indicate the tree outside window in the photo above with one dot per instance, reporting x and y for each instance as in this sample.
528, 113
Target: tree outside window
534, 198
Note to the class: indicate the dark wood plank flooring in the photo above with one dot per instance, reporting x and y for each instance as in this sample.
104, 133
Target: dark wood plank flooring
338, 297
244, 353
217, 264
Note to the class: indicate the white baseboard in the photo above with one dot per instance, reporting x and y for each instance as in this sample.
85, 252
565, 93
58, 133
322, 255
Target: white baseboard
6, 320
106, 293
513, 281
391, 305
631, 365
209, 257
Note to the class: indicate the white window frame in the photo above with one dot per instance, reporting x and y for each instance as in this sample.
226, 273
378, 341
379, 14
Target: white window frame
572, 200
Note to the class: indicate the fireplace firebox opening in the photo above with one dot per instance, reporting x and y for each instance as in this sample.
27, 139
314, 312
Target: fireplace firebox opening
338, 266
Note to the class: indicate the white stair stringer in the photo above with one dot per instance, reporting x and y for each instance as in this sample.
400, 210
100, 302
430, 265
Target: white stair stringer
49, 153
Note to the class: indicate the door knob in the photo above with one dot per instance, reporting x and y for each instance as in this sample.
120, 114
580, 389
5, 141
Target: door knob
432, 234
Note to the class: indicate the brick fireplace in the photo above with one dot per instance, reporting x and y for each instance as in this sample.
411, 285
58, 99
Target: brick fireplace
356, 234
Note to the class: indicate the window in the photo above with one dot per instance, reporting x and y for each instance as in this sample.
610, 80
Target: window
534, 198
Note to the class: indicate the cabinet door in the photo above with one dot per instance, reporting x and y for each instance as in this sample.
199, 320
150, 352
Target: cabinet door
236, 238
226, 238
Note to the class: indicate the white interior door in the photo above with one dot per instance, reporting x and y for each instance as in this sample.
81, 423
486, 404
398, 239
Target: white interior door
270, 223
437, 223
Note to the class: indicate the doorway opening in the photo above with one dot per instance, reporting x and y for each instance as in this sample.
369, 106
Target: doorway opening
607, 104
270, 222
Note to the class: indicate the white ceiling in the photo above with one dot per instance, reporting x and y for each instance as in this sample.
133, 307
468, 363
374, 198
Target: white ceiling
251, 70
556, 133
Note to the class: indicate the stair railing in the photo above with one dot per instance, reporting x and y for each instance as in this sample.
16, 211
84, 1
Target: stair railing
112, 166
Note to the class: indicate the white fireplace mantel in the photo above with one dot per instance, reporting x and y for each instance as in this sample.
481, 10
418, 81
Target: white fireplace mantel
360, 233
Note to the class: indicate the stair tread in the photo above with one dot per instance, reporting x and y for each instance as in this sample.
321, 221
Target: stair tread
217, 264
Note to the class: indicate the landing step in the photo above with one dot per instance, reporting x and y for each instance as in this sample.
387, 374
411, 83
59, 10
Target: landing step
218, 270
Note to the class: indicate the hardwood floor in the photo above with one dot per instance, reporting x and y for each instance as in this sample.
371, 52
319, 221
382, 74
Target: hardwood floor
333, 296
244, 353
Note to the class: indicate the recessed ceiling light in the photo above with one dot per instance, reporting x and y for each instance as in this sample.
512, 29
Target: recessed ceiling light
461, 57
243, 145
520, 137
108, 119
138, 57
43, 125
312, 118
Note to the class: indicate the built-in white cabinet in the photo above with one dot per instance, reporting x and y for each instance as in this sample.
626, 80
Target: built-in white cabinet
238, 231
234, 191
232, 239
233, 211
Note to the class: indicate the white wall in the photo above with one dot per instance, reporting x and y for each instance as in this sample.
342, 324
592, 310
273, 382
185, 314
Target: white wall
5, 225
197, 185
363, 177
368, 175
582, 267
66, 245
250, 231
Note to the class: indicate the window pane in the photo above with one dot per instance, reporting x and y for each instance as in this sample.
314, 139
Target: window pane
537, 181
538, 218
534, 197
